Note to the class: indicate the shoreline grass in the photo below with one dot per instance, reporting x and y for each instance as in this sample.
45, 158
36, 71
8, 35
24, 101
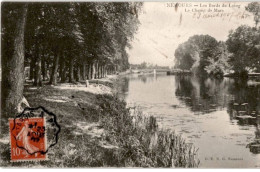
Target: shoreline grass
143, 143
98, 130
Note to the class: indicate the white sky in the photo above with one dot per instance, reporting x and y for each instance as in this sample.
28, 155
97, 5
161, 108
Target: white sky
162, 30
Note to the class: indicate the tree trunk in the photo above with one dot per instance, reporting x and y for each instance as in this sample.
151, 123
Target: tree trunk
43, 66
62, 69
38, 71
105, 71
53, 79
84, 70
71, 73
100, 66
102, 71
116, 68
13, 69
93, 71
47, 69
98, 70
89, 71
43, 69
78, 73
32, 68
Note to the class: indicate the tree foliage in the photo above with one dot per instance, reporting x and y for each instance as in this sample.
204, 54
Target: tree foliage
244, 46
219, 65
254, 7
198, 53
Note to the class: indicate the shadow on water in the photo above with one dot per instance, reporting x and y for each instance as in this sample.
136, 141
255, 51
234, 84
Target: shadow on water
208, 95
254, 146
202, 95
245, 102
238, 99
245, 107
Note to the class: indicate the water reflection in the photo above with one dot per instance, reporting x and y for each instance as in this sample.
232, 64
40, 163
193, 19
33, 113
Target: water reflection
202, 95
209, 95
254, 146
219, 112
245, 101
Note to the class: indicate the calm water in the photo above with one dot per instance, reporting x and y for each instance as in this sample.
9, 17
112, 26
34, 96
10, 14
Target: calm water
205, 112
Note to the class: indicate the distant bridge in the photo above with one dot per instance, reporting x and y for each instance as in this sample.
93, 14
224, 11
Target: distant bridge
148, 70
179, 72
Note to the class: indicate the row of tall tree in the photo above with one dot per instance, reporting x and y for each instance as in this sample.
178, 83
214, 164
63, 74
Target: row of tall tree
240, 54
63, 42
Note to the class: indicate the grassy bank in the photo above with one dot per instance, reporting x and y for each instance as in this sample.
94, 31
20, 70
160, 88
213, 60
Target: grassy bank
97, 130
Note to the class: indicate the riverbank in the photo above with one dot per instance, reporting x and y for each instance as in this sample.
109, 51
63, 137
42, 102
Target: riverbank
233, 75
97, 130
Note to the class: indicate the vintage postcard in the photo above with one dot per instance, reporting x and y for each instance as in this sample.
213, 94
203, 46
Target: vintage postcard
130, 84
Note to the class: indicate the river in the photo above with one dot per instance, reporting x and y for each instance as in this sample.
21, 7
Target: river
210, 113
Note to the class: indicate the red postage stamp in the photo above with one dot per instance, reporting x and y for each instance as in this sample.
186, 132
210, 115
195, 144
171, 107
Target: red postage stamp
28, 139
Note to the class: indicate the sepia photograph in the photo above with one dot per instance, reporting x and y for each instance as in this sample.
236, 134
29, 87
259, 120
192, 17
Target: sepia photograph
130, 84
